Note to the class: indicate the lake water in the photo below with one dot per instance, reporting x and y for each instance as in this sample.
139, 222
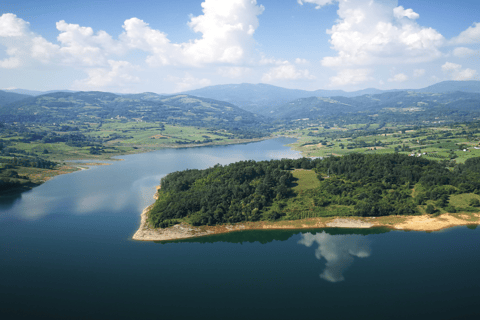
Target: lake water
66, 253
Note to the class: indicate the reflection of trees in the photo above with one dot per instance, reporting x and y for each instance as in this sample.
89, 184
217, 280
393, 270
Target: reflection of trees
338, 250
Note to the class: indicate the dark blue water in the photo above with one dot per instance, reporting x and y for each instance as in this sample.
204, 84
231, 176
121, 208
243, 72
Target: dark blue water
66, 253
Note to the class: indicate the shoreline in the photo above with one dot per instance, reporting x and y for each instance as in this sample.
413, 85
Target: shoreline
424, 223
70, 166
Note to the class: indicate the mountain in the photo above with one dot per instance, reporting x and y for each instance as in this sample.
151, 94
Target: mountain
256, 98
35, 92
264, 98
391, 106
452, 86
97, 106
9, 97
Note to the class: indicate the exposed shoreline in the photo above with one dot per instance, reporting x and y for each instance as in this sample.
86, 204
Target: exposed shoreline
408, 223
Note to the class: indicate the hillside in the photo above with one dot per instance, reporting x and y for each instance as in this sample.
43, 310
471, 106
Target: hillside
398, 106
266, 99
9, 97
94, 106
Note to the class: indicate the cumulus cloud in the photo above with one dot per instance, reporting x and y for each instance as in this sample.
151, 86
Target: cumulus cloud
401, 77
351, 76
455, 72
400, 12
463, 52
471, 35
301, 61
81, 45
319, 3
12, 26
22, 45
418, 73
339, 251
116, 74
227, 29
372, 32
286, 71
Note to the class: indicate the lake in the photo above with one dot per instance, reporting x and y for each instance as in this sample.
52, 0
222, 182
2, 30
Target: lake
66, 252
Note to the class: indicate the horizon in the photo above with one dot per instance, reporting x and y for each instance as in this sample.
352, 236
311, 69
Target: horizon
300, 44
231, 84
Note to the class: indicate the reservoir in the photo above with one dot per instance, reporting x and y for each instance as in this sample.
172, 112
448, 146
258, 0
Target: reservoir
66, 252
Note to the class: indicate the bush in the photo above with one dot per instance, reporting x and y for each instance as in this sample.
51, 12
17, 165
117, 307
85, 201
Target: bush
451, 209
430, 209
474, 202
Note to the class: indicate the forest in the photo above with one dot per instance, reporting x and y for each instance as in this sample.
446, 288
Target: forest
353, 185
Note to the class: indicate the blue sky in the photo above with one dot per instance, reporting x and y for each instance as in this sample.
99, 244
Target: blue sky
166, 46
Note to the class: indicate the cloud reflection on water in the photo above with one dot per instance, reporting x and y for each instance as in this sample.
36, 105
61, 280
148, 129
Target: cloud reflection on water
338, 250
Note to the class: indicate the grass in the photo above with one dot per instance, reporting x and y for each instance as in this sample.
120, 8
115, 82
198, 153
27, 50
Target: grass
306, 179
433, 140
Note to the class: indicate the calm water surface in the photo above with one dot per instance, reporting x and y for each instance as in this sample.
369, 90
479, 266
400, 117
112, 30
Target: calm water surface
65, 252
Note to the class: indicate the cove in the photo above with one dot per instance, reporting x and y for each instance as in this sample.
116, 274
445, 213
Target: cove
66, 252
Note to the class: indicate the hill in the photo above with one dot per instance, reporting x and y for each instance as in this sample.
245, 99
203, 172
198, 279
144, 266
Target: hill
452, 86
398, 106
9, 97
94, 106
353, 185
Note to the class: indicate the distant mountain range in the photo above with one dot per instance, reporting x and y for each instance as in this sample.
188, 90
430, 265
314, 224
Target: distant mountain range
265, 99
388, 104
95, 106
249, 105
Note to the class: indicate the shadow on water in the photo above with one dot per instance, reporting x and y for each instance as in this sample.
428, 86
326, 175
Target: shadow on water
7, 201
266, 236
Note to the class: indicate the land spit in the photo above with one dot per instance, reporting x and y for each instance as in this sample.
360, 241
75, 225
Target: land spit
412, 223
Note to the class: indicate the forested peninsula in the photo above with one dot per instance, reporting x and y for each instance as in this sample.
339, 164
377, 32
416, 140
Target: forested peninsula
355, 185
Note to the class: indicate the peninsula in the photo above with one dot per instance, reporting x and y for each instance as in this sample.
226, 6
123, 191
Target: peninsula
356, 190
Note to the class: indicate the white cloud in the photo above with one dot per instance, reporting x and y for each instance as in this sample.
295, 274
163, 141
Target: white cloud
377, 32
301, 61
338, 250
22, 45
117, 74
319, 3
400, 12
11, 26
351, 76
401, 77
463, 52
286, 71
449, 66
188, 82
227, 29
455, 72
418, 73
471, 35
81, 45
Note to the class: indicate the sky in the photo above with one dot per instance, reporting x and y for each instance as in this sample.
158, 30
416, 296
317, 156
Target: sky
173, 46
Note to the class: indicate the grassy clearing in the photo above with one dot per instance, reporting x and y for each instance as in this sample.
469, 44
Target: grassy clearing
306, 179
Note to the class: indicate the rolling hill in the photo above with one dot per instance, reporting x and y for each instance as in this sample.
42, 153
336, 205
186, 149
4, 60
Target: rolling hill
149, 107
